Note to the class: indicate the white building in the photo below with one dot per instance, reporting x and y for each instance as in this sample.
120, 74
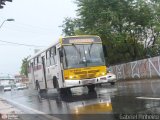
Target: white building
6, 80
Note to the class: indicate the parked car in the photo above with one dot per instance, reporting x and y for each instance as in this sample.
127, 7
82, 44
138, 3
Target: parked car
20, 86
7, 88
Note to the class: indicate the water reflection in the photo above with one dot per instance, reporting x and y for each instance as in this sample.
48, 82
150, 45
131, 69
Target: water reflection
80, 97
84, 103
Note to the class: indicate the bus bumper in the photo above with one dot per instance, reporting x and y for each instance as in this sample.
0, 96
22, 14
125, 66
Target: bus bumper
103, 79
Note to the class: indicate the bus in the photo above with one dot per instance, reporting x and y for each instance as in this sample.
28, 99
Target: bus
73, 61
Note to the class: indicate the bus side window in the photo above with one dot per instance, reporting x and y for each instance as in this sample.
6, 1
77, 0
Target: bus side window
48, 58
35, 63
53, 50
29, 67
39, 59
53, 54
38, 62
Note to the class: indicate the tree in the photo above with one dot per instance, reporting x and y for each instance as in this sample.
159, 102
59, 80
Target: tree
72, 27
24, 67
127, 27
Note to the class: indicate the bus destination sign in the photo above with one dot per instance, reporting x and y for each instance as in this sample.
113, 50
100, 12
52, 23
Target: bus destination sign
79, 40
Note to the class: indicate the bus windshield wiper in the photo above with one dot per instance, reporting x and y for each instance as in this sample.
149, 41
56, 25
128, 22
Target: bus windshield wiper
89, 49
77, 49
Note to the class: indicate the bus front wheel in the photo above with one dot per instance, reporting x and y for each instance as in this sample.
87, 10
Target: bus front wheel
65, 91
91, 88
112, 83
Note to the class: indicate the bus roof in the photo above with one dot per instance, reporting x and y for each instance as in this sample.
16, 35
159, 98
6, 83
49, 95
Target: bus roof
81, 36
43, 50
59, 42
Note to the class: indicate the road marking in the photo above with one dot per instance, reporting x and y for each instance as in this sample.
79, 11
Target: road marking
31, 109
148, 98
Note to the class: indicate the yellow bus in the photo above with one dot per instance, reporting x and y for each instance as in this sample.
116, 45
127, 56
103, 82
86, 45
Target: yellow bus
73, 61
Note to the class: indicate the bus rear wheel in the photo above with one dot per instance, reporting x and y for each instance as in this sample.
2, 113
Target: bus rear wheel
91, 88
55, 82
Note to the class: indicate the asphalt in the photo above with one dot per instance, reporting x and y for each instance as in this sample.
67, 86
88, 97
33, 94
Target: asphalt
139, 97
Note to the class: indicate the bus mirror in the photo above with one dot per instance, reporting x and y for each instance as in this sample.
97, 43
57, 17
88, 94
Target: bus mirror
105, 50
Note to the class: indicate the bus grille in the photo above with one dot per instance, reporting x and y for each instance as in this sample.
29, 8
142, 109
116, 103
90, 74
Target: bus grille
87, 74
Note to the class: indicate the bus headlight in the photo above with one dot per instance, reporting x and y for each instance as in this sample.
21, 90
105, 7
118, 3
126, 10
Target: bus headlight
73, 77
103, 73
70, 77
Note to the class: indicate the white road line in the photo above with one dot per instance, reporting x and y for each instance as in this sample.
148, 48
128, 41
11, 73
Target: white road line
33, 111
148, 98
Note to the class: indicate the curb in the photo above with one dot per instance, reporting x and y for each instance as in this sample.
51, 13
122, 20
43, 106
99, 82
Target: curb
29, 110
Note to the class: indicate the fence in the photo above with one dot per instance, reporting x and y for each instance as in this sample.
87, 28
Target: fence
146, 68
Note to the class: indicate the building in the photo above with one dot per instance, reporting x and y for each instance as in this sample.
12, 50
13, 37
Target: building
6, 80
21, 79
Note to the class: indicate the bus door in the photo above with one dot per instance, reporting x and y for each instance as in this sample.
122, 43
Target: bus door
60, 66
44, 70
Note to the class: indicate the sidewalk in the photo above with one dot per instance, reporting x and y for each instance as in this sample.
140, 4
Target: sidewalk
9, 112
7, 109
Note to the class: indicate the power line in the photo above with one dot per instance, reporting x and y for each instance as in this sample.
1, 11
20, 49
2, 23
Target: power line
20, 44
29, 28
34, 27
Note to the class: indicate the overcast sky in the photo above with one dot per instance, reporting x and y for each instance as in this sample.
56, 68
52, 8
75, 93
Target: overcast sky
36, 22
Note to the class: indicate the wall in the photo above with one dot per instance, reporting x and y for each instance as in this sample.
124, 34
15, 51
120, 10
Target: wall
146, 68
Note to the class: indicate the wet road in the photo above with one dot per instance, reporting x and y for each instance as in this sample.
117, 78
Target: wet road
133, 97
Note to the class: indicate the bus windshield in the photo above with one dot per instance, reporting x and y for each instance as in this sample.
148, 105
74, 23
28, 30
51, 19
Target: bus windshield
83, 55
